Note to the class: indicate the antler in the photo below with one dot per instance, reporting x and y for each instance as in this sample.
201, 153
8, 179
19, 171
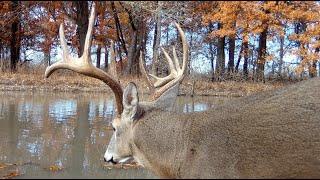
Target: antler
83, 65
177, 73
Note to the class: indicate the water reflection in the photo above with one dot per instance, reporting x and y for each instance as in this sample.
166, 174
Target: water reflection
197, 104
38, 130
62, 110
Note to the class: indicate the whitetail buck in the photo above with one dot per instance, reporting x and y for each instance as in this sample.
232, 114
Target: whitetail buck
273, 134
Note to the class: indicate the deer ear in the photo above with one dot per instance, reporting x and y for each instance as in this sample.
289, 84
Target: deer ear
131, 101
130, 95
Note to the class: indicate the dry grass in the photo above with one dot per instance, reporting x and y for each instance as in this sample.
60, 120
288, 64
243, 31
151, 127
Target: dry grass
59, 81
132, 165
65, 80
229, 88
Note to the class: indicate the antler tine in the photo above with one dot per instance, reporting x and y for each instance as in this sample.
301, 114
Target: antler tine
184, 47
66, 58
176, 73
171, 65
181, 72
83, 65
88, 40
175, 57
144, 73
172, 69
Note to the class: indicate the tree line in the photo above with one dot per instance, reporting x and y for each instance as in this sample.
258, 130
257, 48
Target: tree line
238, 38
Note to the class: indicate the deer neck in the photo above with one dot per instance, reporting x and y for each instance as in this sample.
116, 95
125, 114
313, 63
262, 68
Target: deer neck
163, 155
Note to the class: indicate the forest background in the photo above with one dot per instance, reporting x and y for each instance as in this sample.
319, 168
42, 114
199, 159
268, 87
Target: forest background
233, 45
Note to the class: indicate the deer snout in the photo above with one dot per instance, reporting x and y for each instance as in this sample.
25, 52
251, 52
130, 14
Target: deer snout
108, 157
110, 160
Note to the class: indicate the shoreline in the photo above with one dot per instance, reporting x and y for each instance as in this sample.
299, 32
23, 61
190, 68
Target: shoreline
183, 91
76, 83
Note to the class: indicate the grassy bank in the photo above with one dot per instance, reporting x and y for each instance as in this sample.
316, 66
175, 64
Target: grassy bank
67, 81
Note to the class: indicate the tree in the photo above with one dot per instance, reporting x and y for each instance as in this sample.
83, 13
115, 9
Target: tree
246, 56
156, 39
232, 44
137, 28
81, 18
304, 18
15, 36
262, 54
220, 63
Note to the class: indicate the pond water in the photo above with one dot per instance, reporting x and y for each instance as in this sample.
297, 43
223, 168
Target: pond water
64, 135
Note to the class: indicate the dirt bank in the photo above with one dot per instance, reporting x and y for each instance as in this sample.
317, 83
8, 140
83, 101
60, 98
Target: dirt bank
72, 82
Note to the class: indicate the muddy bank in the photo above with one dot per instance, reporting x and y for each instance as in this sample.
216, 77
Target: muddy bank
71, 82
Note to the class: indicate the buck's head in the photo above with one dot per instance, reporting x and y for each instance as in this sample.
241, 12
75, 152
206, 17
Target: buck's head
120, 145
164, 93
129, 110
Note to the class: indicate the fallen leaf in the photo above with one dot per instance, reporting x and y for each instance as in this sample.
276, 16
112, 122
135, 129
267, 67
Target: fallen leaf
54, 168
11, 175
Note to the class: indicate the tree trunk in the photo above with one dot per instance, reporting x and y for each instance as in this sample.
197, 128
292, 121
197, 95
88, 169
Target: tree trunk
143, 48
212, 54
281, 54
239, 58
299, 28
220, 63
112, 67
137, 34
15, 39
118, 28
232, 44
134, 51
245, 61
82, 23
313, 68
262, 55
47, 57
1, 50
272, 68
98, 56
1, 55
131, 51
167, 35
106, 54
190, 50
156, 40
319, 69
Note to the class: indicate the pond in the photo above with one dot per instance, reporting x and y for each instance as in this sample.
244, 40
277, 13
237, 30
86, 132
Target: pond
64, 135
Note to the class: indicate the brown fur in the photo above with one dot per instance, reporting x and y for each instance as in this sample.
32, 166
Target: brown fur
273, 134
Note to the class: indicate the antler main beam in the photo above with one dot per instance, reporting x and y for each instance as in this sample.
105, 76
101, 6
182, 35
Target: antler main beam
177, 73
83, 65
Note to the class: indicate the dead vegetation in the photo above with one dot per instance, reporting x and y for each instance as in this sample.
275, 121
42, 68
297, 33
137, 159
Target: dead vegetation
9, 170
34, 80
132, 165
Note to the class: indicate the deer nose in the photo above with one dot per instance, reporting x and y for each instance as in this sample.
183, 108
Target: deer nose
110, 160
